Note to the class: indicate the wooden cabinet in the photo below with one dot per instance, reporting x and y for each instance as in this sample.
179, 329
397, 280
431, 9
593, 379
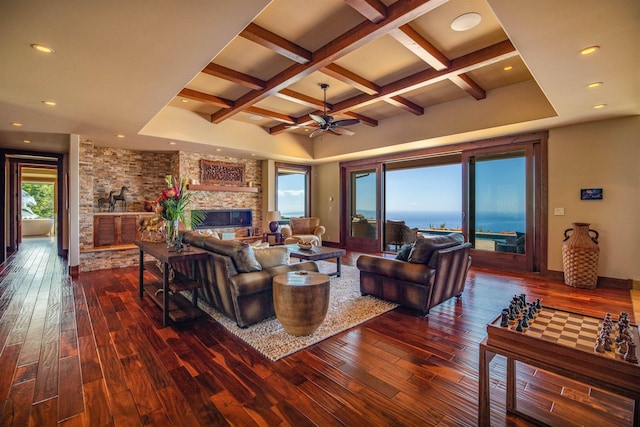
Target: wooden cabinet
116, 228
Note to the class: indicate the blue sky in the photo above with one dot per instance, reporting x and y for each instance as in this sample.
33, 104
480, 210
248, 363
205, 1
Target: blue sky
291, 194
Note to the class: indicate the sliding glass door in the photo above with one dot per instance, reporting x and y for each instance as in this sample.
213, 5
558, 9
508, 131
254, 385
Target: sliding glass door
363, 208
500, 204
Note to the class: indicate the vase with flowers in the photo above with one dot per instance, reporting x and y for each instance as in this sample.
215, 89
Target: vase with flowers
172, 205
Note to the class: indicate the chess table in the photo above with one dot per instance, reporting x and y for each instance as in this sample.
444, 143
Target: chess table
561, 342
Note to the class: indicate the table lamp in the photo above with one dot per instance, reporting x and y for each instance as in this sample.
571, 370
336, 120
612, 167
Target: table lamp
273, 217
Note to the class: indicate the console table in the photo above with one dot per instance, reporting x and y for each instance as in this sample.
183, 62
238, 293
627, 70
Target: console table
174, 307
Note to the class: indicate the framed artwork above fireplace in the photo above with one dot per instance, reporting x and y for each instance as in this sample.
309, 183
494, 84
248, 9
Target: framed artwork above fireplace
221, 173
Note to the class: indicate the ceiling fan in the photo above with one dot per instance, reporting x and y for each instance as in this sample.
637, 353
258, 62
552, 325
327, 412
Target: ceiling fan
326, 123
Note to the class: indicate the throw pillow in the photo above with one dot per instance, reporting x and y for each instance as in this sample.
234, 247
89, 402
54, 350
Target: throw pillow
425, 247
403, 253
272, 256
241, 253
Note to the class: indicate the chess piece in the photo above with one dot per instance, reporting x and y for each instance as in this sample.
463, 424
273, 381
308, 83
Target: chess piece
525, 320
538, 305
599, 347
622, 347
520, 328
606, 341
505, 318
630, 355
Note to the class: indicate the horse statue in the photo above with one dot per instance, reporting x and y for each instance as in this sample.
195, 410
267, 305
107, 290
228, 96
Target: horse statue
122, 197
151, 229
109, 200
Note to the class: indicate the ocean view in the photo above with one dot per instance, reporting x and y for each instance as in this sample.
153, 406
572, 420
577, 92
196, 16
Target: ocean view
487, 222
494, 222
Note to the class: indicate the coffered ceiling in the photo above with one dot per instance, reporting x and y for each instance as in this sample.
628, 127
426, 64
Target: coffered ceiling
243, 76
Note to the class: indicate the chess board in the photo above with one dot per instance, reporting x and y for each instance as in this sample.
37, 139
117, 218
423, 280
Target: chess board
569, 329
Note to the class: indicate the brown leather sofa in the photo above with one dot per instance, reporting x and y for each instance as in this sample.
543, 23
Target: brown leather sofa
430, 271
237, 278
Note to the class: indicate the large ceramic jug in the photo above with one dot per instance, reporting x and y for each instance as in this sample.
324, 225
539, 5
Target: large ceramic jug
580, 253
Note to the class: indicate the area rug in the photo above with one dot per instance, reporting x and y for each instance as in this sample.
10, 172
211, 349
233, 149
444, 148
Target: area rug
347, 308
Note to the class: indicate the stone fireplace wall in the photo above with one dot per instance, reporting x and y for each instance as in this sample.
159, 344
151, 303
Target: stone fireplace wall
143, 173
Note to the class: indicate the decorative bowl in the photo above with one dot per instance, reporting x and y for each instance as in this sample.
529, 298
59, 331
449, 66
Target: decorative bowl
305, 245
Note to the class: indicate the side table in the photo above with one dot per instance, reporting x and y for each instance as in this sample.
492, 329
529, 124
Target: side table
273, 238
174, 307
301, 300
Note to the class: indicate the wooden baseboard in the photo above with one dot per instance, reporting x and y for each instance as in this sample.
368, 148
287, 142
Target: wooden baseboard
74, 270
603, 282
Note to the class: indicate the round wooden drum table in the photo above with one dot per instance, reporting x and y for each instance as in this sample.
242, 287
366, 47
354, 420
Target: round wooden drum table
301, 300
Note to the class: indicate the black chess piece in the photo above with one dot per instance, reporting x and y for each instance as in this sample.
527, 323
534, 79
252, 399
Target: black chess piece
538, 304
525, 320
505, 318
520, 328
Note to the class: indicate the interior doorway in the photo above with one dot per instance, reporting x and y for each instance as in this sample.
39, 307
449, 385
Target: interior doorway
38, 169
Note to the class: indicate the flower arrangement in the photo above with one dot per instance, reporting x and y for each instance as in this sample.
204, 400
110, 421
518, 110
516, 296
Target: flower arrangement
172, 205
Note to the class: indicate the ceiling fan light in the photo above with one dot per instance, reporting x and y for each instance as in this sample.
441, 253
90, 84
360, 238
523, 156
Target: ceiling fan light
466, 21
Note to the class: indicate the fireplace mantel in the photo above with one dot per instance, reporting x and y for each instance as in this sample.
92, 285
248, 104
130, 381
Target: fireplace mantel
203, 187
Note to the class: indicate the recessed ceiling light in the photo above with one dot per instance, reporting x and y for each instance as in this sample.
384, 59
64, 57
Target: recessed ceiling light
599, 106
42, 48
508, 68
218, 149
466, 22
172, 143
16, 124
589, 50
50, 103
594, 85
255, 117
119, 135
185, 100
253, 154
26, 141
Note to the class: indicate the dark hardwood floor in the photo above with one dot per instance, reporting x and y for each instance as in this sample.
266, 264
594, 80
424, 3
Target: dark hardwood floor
89, 352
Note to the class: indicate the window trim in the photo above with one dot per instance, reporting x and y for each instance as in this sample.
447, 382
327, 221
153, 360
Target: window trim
295, 168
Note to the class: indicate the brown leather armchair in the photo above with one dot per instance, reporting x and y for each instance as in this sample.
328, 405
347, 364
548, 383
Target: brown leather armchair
438, 272
397, 233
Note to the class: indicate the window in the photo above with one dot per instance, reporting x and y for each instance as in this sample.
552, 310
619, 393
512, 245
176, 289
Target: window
428, 198
292, 190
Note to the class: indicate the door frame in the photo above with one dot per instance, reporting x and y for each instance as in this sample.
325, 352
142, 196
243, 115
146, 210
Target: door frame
10, 161
355, 243
530, 260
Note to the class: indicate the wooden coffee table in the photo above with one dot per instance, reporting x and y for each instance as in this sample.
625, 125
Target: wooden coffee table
318, 253
301, 300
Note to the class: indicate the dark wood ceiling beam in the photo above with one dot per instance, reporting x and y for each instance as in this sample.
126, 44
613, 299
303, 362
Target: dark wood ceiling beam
350, 78
405, 104
374, 10
478, 59
234, 76
399, 13
206, 98
226, 103
363, 119
271, 115
421, 47
466, 83
302, 99
306, 120
274, 42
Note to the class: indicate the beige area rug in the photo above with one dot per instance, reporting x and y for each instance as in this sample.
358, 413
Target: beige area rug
347, 308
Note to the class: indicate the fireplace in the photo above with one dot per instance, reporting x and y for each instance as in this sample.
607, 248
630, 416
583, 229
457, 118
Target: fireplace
218, 218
